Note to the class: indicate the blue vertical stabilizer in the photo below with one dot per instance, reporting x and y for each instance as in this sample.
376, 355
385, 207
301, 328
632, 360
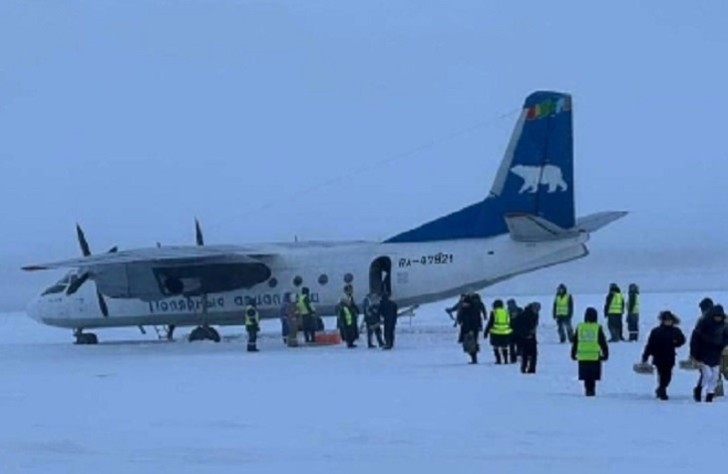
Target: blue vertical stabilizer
536, 177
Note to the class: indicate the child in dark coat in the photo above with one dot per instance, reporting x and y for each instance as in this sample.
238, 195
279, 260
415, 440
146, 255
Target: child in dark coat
661, 345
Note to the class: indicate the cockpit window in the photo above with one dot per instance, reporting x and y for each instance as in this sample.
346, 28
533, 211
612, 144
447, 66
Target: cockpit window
59, 286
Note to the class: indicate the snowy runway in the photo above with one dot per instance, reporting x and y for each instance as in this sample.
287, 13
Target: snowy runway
132, 404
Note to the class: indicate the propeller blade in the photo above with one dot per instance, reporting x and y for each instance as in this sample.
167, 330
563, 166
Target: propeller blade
76, 283
102, 304
85, 250
198, 234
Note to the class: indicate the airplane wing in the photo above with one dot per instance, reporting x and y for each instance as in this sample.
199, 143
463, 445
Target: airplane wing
158, 255
162, 272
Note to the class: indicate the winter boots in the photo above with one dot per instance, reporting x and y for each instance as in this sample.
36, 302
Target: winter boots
661, 393
697, 393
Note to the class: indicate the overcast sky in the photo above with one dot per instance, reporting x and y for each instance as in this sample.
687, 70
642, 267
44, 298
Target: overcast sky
344, 120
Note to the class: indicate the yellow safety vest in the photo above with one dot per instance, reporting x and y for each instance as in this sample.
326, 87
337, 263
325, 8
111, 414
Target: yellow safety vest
617, 304
253, 320
301, 305
562, 305
587, 349
348, 317
501, 322
636, 308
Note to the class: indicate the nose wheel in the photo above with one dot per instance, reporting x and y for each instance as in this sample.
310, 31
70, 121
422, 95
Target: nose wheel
204, 333
85, 338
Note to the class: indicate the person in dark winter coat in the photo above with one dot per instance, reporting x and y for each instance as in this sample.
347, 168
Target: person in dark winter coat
347, 317
526, 327
373, 320
455, 308
705, 305
590, 348
471, 323
661, 345
514, 311
709, 339
388, 309
499, 328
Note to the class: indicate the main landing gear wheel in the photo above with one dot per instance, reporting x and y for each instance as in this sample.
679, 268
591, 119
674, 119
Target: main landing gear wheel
85, 338
204, 333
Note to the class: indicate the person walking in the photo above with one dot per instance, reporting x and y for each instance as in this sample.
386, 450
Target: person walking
661, 345
590, 349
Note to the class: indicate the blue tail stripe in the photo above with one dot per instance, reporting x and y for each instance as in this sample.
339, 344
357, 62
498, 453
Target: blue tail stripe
535, 177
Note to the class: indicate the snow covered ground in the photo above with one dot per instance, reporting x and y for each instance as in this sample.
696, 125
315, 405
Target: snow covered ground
133, 404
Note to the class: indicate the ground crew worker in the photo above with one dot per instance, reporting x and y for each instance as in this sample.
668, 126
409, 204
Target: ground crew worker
349, 295
373, 320
252, 327
563, 311
348, 322
590, 348
388, 309
633, 312
614, 309
308, 314
499, 328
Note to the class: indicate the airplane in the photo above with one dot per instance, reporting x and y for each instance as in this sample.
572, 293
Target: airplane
527, 222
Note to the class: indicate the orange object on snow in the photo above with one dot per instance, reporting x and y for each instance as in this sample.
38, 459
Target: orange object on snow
328, 338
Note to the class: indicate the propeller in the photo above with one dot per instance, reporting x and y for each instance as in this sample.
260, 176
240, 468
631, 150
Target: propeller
83, 278
198, 234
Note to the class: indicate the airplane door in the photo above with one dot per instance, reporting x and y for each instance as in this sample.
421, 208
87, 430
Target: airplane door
380, 276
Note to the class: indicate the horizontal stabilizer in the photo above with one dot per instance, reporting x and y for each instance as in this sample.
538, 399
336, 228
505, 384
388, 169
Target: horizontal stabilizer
530, 228
594, 222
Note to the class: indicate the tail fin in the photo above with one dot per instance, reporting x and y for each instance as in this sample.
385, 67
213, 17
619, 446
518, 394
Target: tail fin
536, 177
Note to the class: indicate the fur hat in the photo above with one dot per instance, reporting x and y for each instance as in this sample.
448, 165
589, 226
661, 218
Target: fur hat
669, 315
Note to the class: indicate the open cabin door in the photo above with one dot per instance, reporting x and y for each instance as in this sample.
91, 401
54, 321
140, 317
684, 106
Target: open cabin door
380, 276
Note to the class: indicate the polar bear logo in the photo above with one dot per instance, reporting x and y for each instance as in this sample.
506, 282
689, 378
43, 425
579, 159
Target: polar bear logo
548, 175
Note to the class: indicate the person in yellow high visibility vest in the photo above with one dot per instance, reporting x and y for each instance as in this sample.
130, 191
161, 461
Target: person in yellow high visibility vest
347, 316
308, 315
499, 328
633, 312
589, 348
614, 309
563, 312
252, 327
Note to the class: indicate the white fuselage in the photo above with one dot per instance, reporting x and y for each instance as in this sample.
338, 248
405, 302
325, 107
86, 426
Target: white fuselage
420, 273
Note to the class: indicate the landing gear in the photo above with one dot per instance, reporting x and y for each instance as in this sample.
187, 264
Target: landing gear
204, 333
165, 332
85, 338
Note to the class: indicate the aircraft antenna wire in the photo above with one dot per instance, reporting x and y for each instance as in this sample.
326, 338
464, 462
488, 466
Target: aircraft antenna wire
390, 159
